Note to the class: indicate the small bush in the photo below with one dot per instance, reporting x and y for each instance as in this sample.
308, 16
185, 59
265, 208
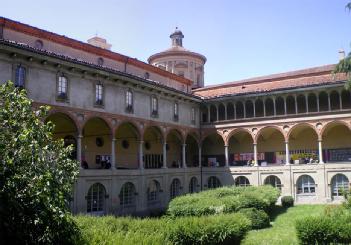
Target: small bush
259, 219
223, 200
287, 201
324, 230
219, 229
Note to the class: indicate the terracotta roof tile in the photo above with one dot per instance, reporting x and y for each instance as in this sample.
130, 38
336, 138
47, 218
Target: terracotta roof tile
302, 78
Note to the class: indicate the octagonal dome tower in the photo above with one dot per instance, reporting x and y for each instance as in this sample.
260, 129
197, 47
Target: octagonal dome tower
181, 61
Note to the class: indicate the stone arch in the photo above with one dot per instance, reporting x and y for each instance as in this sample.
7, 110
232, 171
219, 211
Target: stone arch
259, 107
335, 136
213, 182
103, 119
133, 125
127, 137
274, 181
213, 150
230, 111
153, 138
174, 141
270, 142
334, 100
68, 114
303, 143
270, 126
240, 143
96, 143
192, 150
221, 112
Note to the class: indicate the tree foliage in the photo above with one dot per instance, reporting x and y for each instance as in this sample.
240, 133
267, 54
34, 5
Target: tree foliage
344, 65
36, 175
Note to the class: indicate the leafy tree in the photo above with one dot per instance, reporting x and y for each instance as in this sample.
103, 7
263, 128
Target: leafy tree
36, 175
344, 66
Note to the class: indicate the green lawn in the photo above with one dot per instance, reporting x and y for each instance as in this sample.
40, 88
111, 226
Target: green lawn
282, 231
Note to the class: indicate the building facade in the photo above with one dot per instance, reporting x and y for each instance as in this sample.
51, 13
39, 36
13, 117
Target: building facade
142, 135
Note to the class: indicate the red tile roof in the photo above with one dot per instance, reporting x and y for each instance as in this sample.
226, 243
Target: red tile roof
302, 78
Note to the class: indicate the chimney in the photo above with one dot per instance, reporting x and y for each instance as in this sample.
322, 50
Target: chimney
99, 42
341, 54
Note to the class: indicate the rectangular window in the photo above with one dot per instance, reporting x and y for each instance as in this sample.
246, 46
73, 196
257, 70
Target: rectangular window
154, 106
98, 94
176, 112
62, 87
129, 101
20, 76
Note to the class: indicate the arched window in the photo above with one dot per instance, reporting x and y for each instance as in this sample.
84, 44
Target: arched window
312, 103
301, 103
239, 106
305, 185
153, 191
290, 105
127, 195
193, 185
259, 108
96, 199
334, 100
249, 107
346, 99
213, 113
269, 104
221, 112
273, 181
175, 188
230, 111
62, 85
242, 181
213, 182
323, 101
279, 106
340, 184
20, 76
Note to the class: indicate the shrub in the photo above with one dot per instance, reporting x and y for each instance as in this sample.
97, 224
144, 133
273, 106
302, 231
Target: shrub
259, 219
219, 229
287, 201
36, 175
324, 230
223, 200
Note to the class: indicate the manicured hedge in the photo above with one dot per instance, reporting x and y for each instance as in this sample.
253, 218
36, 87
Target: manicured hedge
219, 229
287, 201
223, 200
259, 218
334, 229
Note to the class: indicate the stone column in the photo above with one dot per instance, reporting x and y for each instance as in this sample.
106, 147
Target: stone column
340, 100
184, 156
285, 110
254, 108
255, 154
306, 99
208, 114
320, 151
317, 96
244, 106
79, 149
274, 107
200, 157
225, 112
329, 106
226, 155
217, 115
113, 153
164, 153
264, 108
287, 157
141, 154
234, 110
296, 109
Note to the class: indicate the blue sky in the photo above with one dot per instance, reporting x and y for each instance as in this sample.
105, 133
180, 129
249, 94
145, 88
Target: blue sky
240, 39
